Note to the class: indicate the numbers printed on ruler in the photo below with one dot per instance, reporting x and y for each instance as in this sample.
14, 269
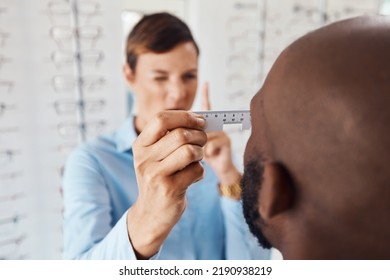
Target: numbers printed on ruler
215, 120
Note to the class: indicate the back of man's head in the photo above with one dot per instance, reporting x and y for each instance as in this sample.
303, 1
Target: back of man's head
321, 134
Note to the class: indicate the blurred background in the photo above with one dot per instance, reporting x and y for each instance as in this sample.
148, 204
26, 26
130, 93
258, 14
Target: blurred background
52, 99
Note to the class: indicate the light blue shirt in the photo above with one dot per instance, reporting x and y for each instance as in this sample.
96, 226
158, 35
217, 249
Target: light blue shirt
99, 187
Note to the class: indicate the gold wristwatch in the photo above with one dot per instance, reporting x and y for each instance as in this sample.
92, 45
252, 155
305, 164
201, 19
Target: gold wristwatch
232, 191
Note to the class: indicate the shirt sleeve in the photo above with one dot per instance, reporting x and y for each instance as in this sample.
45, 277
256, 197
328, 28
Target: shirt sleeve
240, 242
88, 229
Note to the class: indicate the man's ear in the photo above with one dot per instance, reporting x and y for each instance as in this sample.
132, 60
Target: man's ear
277, 191
129, 74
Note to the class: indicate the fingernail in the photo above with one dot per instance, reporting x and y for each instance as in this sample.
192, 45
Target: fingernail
201, 121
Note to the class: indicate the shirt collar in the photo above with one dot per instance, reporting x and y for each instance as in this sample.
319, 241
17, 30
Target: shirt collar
126, 135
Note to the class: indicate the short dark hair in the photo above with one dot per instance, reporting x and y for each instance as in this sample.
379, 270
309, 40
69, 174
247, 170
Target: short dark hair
158, 33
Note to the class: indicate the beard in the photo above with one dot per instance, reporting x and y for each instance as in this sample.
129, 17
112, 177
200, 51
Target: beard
250, 184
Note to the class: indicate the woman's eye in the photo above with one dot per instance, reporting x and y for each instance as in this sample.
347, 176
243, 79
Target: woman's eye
189, 76
160, 79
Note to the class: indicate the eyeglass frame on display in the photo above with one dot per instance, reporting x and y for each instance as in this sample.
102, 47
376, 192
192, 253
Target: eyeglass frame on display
65, 149
3, 38
3, 10
248, 6
12, 129
78, 128
11, 175
4, 59
4, 106
87, 105
8, 154
6, 83
240, 57
14, 218
95, 81
14, 241
11, 225
75, 32
348, 11
240, 93
86, 57
67, 12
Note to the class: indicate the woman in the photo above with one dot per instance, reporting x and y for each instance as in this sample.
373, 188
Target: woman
127, 195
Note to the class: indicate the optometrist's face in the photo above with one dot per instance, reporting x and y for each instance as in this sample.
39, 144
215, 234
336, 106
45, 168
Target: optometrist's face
165, 81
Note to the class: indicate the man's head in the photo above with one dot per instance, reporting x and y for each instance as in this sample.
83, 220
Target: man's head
317, 165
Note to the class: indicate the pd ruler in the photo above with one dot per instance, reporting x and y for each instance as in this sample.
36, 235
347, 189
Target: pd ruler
216, 119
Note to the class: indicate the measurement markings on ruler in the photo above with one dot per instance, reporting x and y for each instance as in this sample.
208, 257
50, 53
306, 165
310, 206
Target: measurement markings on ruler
215, 120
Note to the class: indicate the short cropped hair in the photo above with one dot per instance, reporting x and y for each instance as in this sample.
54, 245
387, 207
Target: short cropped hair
158, 33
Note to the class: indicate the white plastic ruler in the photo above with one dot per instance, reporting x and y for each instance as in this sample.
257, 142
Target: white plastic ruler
215, 120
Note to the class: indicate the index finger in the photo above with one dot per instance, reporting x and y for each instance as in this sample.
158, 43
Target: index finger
205, 99
166, 121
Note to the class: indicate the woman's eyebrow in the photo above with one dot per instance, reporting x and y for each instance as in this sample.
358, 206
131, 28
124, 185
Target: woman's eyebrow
158, 71
192, 70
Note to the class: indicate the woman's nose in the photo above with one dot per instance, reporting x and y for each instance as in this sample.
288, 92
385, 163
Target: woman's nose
177, 90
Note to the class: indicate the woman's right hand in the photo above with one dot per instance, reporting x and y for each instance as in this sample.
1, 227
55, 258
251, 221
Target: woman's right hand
166, 161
